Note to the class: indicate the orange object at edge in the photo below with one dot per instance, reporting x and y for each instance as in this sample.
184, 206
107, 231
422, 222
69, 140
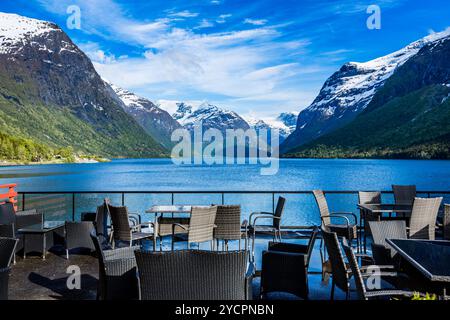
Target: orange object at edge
10, 195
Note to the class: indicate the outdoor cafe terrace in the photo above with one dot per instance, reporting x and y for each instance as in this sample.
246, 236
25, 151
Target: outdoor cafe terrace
246, 245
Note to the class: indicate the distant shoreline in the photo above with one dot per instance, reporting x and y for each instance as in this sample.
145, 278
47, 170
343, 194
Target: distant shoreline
8, 163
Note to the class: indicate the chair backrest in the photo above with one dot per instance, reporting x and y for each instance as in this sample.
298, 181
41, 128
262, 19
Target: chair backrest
423, 218
7, 251
7, 213
389, 229
228, 222
404, 194
323, 206
279, 212
369, 197
311, 242
101, 220
447, 222
339, 270
192, 275
356, 272
120, 223
201, 224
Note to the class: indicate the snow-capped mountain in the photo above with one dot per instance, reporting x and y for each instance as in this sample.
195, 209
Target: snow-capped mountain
50, 87
155, 121
284, 123
348, 92
210, 116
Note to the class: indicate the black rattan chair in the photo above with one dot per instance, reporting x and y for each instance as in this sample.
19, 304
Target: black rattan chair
7, 250
193, 275
78, 236
361, 289
274, 229
4, 281
117, 272
285, 268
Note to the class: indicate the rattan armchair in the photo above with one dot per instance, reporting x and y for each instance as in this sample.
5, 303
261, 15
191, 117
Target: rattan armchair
422, 224
228, 226
4, 281
117, 272
78, 236
361, 290
274, 228
200, 229
285, 268
194, 275
340, 272
7, 251
446, 222
382, 230
123, 231
404, 195
348, 229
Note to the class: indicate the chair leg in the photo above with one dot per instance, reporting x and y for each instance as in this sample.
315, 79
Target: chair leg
173, 243
253, 245
332, 289
67, 254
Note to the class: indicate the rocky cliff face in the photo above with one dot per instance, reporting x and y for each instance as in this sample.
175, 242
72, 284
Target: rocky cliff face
51, 92
348, 92
155, 121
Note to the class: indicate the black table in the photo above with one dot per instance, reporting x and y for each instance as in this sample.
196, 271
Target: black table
429, 258
379, 209
40, 237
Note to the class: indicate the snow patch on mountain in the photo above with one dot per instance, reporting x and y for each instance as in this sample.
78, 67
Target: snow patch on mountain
16, 31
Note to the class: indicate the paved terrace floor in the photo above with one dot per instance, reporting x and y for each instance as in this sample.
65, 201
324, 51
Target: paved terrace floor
36, 279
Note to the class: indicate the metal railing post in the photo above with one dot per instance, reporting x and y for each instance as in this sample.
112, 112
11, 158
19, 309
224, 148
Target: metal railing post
73, 206
23, 202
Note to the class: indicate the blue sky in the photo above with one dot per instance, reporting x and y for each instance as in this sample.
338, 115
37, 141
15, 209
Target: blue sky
256, 57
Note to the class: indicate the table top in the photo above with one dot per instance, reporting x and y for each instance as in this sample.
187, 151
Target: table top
431, 258
47, 226
385, 207
172, 209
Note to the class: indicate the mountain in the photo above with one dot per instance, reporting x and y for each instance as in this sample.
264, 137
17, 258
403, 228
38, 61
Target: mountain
210, 116
349, 91
156, 122
284, 123
409, 117
50, 93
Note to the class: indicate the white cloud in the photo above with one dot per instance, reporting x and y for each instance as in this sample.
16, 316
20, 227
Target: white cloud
216, 2
205, 24
255, 22
238, 69
184, 14
223, 18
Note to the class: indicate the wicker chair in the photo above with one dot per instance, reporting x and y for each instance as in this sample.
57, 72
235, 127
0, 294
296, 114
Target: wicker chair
117, 272
422, 224
285, 268
7, 250
228, 226
340, 271
404, 194
446, 225
78, 236
193, 275
11, 221
348, 230
200, 229
4, 280
382, 230
123, 231
274, 229
368, 197
361, 289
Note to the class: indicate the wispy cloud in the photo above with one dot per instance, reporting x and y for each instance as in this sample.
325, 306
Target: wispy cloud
184, 14
255, 22
223, 18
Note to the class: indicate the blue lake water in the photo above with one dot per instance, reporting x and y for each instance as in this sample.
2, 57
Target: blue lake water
163, 175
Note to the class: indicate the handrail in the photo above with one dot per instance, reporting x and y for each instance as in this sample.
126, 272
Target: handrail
220, 191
